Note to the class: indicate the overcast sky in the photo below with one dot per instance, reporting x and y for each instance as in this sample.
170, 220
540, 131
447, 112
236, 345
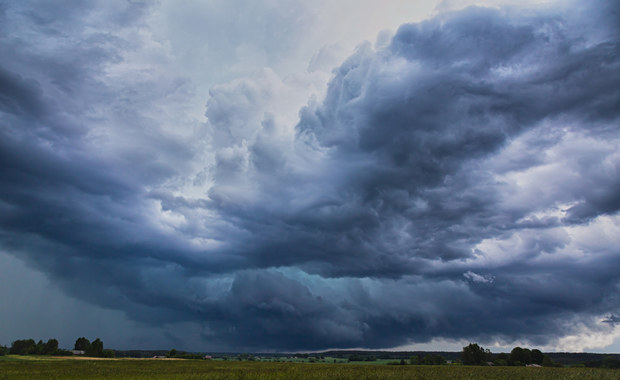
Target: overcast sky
247, 175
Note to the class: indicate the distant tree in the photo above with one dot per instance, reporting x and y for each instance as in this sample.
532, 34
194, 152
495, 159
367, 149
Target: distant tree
63, 352
433, 359
547, 362
49, 348
95, 348
172, 353
521, 356
475, 355
3, 350
23, 347
40, 346
610, 362
356, 358
537, 357
502, 359
439, 360
81, 344
107, 354
527, 356
414, 360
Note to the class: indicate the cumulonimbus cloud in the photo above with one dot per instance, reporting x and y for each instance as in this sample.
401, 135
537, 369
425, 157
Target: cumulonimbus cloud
460, 182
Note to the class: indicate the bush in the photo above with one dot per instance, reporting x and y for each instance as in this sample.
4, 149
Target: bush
547, 362
61, 352
191, 356
107, 354
433, 359
610, 362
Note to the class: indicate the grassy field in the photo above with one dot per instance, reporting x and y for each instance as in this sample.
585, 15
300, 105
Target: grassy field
150, 369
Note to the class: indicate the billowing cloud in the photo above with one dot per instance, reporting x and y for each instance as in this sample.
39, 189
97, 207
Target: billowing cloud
456, 181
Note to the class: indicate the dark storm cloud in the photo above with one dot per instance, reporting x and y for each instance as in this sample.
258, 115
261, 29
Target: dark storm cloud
404, 128
457, 183
19, 97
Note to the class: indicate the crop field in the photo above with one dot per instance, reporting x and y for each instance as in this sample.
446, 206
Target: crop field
150, 369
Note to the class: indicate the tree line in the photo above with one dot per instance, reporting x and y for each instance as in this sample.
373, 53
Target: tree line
430, 359
94, 348
30, 347
474, 354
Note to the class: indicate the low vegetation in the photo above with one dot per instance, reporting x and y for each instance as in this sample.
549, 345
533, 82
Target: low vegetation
24, 367
26, 359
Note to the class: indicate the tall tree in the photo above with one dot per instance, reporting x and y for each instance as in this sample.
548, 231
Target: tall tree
81, 344
475, 355
520, 355
537, 357
50, 348
95, 348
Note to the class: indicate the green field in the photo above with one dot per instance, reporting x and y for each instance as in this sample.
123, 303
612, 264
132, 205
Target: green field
149, 369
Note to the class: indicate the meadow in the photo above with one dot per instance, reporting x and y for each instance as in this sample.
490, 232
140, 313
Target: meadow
149, 369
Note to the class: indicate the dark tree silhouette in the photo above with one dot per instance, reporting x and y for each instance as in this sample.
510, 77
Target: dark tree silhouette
50, 348
475, 355
81, 344
95, 348
537, 357
23, 347
520, 355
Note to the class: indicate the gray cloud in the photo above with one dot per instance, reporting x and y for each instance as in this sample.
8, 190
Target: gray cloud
459, 182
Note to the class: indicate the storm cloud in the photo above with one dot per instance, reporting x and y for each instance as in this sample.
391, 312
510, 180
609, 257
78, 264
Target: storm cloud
459, 180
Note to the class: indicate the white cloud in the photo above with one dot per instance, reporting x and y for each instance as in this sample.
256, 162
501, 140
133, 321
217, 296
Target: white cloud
588, 338
475, 277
